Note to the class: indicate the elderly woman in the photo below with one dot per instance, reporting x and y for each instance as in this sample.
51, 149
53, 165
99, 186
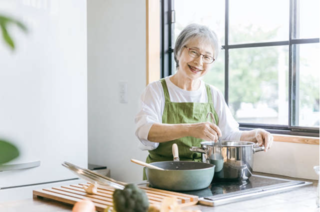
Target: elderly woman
174, 109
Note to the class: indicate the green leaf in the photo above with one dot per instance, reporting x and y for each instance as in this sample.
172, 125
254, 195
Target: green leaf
4, 18
21, 26
8, 152
4, 22
7, 38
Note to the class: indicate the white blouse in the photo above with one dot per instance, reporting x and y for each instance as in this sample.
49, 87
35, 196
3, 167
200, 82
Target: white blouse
152, 106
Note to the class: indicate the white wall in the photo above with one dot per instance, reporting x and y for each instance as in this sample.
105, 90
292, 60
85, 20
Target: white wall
43, 89
288, 159
116, 52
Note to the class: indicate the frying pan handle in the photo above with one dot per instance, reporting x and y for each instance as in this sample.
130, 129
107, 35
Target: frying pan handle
175, 152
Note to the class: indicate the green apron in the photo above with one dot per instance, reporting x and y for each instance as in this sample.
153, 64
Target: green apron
178, 113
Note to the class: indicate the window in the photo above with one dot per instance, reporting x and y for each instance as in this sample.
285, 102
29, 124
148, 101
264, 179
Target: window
268, 67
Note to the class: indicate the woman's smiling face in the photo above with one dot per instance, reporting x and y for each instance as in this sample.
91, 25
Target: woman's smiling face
194, 68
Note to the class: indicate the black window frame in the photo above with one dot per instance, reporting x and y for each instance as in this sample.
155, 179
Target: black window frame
167, 18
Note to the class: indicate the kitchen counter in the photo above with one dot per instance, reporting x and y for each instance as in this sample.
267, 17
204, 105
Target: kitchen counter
301, 199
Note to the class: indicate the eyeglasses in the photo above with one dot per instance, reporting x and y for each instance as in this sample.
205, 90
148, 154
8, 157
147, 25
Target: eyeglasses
195, 54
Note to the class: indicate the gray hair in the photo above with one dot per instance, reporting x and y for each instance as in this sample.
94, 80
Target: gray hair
194, 31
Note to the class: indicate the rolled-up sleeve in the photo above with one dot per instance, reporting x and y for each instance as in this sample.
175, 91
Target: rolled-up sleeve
149, 113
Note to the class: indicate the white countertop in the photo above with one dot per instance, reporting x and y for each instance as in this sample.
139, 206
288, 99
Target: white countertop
301, 199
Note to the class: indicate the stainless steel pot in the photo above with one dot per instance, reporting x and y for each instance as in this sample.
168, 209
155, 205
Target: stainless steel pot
236, 161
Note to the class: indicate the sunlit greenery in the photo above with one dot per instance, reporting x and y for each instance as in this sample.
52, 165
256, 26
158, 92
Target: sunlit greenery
254, 72
248, 69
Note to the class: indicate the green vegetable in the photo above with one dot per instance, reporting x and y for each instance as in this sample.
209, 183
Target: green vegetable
130, 199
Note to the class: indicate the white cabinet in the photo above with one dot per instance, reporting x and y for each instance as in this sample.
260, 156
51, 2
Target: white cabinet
43, 89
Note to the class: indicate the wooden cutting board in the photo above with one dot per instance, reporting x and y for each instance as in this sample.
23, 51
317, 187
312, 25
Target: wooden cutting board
74, 193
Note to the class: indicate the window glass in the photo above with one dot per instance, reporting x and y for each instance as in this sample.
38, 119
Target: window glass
215, 75
258, 85
308, 19
258, 21
206, 12
308, 70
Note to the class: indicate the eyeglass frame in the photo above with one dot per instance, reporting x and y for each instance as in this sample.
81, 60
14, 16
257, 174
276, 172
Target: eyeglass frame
213, 59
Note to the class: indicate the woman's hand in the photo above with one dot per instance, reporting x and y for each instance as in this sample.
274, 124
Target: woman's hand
263, 138
206, 131
259, 136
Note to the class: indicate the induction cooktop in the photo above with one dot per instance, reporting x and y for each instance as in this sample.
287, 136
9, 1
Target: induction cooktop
224, 192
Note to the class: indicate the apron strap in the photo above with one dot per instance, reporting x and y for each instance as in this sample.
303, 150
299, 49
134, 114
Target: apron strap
209, 96
209, 93
165, 90
216, 117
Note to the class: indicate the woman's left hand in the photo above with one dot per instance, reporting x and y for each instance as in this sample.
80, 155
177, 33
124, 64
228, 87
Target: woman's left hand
263, 138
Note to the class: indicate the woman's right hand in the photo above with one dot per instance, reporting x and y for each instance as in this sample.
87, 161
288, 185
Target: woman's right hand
206, 131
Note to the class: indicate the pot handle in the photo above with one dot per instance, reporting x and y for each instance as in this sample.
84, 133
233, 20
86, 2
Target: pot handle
197, 149
257, 148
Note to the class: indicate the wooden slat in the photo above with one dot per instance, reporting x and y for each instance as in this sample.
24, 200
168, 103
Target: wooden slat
296, 139
107, 196
65, 199
78, 187
84, 194
159, 194
75, 192
80, 197
57, 197
181, 197
164, 193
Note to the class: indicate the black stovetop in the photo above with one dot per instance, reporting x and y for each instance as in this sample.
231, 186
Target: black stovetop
254, 184
224, 192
